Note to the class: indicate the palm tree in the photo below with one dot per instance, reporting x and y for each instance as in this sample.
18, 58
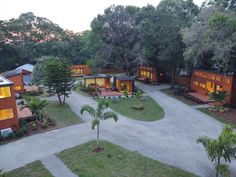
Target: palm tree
36, 106
138, 97
224, 147
99, 115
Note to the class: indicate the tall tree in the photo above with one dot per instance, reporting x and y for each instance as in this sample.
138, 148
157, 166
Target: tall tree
57, 77
173, 15
227, 4
28, 37
117, 29
210, 41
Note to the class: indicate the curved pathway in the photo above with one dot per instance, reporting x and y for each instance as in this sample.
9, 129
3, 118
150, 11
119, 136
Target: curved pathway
171, 140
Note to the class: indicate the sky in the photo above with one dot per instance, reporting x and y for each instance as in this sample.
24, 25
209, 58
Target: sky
74, 15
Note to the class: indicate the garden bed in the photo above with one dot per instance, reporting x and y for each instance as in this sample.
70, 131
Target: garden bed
225, 117
182, 98
115, 161
57, 116
125, 106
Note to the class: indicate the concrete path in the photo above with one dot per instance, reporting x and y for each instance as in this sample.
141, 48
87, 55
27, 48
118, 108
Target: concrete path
171, 140
56, 167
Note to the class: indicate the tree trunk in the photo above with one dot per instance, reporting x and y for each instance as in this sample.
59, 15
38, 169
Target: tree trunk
59, 98
64, 99
98, 137
217, 169
172, 79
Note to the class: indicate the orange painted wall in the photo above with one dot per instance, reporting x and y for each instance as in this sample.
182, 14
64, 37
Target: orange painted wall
147, 69
85, 70
182, 80
18, 81
200, 77
128, 82
6, 103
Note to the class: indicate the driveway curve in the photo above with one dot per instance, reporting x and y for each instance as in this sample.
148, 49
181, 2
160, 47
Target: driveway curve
171, 140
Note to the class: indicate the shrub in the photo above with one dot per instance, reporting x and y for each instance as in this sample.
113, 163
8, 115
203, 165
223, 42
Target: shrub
146, 80
25, 129
219, 96
34, 92
19, 133
179, 91
34, 125
51, 122
44, 124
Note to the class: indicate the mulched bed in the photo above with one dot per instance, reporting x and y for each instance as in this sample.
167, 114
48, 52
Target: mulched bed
229, 117
30, 132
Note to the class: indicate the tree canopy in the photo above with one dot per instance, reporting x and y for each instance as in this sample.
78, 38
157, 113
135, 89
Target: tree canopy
174, 35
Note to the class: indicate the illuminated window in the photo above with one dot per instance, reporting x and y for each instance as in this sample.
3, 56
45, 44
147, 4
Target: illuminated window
151, 77
6, 114
17, 87
219, 88
195, 83
5, 92
218, 78
202, 85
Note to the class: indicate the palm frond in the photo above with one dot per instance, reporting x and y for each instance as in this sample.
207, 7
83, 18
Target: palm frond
110, 115
88, 109
95, 123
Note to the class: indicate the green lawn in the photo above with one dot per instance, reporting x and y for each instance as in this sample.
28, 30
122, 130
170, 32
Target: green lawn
124, 106
215, 116
35, 169
170, 92
62, 114
115, 161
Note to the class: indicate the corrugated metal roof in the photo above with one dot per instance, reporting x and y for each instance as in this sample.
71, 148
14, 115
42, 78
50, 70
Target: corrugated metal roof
18, 70
97, 76
4, 81
124, 78
27, 67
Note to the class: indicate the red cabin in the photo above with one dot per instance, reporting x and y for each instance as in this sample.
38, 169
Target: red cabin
80, 70
205, 82
147, 73
18, 76
8, 109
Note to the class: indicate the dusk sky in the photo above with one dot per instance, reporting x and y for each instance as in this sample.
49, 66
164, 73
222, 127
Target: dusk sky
74, 15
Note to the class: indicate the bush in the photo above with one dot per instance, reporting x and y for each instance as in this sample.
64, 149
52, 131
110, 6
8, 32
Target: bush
88, 89
35, 92
146, 80
179, 91
34, 125
19, 133
44, 124
51, 122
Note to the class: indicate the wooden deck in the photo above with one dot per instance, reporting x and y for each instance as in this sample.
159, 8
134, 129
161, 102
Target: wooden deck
199, 97
110, 93
141, 78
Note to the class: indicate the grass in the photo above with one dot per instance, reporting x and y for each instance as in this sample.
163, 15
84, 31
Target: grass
115, 161
215, 116
35, 169
62, 114
170, 92
124, 106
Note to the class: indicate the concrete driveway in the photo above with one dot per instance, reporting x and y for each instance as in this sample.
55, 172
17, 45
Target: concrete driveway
171, 140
